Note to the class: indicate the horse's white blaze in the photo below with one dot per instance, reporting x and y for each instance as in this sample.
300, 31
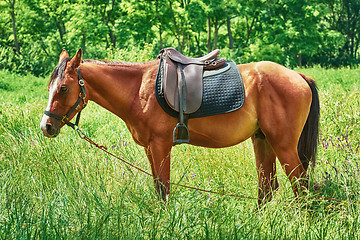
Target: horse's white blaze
52, 91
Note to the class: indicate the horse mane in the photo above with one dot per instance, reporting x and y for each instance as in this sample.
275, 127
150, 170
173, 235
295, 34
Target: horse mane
59, 70
114, 63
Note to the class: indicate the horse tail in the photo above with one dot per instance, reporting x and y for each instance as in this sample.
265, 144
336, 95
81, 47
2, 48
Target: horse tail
307, 146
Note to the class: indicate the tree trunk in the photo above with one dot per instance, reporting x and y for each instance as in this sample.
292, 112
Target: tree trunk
299, 60
209, 35
160, 36
249, 29
17, 49
197, 39
111, 33
352, 47
112, 37
160, 25
216, 32
61, 28
106, 17
176, 27
231, 44
83, 43
356, 47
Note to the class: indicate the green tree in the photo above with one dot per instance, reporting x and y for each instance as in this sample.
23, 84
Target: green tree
291, 32
196, 14
8, 8
344, 17
138, 21
110, 12
293, 25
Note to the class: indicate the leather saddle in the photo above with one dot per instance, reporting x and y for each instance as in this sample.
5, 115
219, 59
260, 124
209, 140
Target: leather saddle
183, 84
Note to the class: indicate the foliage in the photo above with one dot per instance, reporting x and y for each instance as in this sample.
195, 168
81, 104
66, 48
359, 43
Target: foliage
292, 32
64, 189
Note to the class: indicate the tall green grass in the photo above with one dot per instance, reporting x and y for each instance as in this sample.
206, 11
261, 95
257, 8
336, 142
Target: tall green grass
63, 188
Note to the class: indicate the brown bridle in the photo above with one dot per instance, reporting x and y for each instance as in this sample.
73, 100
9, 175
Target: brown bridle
76, 106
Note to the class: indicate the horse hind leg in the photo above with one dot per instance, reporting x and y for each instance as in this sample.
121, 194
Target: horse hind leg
284, 146
266, 167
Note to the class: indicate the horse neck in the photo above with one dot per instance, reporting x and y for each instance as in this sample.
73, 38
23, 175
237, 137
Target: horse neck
113, 87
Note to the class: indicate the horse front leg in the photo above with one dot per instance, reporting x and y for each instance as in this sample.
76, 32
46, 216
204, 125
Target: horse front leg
158, 153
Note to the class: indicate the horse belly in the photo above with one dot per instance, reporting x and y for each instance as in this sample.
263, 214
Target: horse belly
222, 130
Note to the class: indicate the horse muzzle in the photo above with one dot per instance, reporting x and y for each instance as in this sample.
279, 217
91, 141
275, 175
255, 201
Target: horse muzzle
49, 129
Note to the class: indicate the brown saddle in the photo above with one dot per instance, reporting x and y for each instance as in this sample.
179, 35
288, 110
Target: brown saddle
184, 76
183, 84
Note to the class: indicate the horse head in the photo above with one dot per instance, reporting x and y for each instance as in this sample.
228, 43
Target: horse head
67, 95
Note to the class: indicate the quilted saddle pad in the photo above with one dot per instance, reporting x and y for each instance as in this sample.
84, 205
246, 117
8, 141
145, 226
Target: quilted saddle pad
223, 91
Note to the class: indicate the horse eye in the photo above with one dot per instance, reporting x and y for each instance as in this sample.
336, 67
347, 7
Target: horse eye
63, 89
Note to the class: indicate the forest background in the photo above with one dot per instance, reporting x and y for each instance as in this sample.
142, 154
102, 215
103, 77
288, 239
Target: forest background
64, 189
290, 32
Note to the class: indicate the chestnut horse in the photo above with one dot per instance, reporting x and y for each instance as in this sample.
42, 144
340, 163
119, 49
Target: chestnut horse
280, 114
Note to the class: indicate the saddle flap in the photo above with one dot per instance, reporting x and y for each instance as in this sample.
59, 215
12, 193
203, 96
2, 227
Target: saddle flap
193, 85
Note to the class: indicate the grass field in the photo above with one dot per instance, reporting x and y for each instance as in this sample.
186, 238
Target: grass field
63, 188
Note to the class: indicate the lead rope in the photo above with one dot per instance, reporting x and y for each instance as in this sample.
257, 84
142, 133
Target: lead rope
105, 149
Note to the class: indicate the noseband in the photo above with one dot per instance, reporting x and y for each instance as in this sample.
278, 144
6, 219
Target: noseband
76, 106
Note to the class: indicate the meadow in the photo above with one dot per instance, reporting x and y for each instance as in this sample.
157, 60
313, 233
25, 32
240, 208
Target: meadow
64, 188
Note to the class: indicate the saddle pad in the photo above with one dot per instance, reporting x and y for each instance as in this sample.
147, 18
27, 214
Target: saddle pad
223, 91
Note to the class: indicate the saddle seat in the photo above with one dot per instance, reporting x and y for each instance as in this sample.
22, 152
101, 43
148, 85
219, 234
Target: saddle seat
180, 58
183, 83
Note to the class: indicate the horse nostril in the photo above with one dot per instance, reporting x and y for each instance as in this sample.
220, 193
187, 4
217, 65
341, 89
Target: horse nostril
49, 129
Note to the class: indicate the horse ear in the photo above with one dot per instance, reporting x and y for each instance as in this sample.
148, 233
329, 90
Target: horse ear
75, 61
63, 55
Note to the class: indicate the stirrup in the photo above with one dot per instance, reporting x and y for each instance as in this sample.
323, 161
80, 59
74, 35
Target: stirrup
183, 134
